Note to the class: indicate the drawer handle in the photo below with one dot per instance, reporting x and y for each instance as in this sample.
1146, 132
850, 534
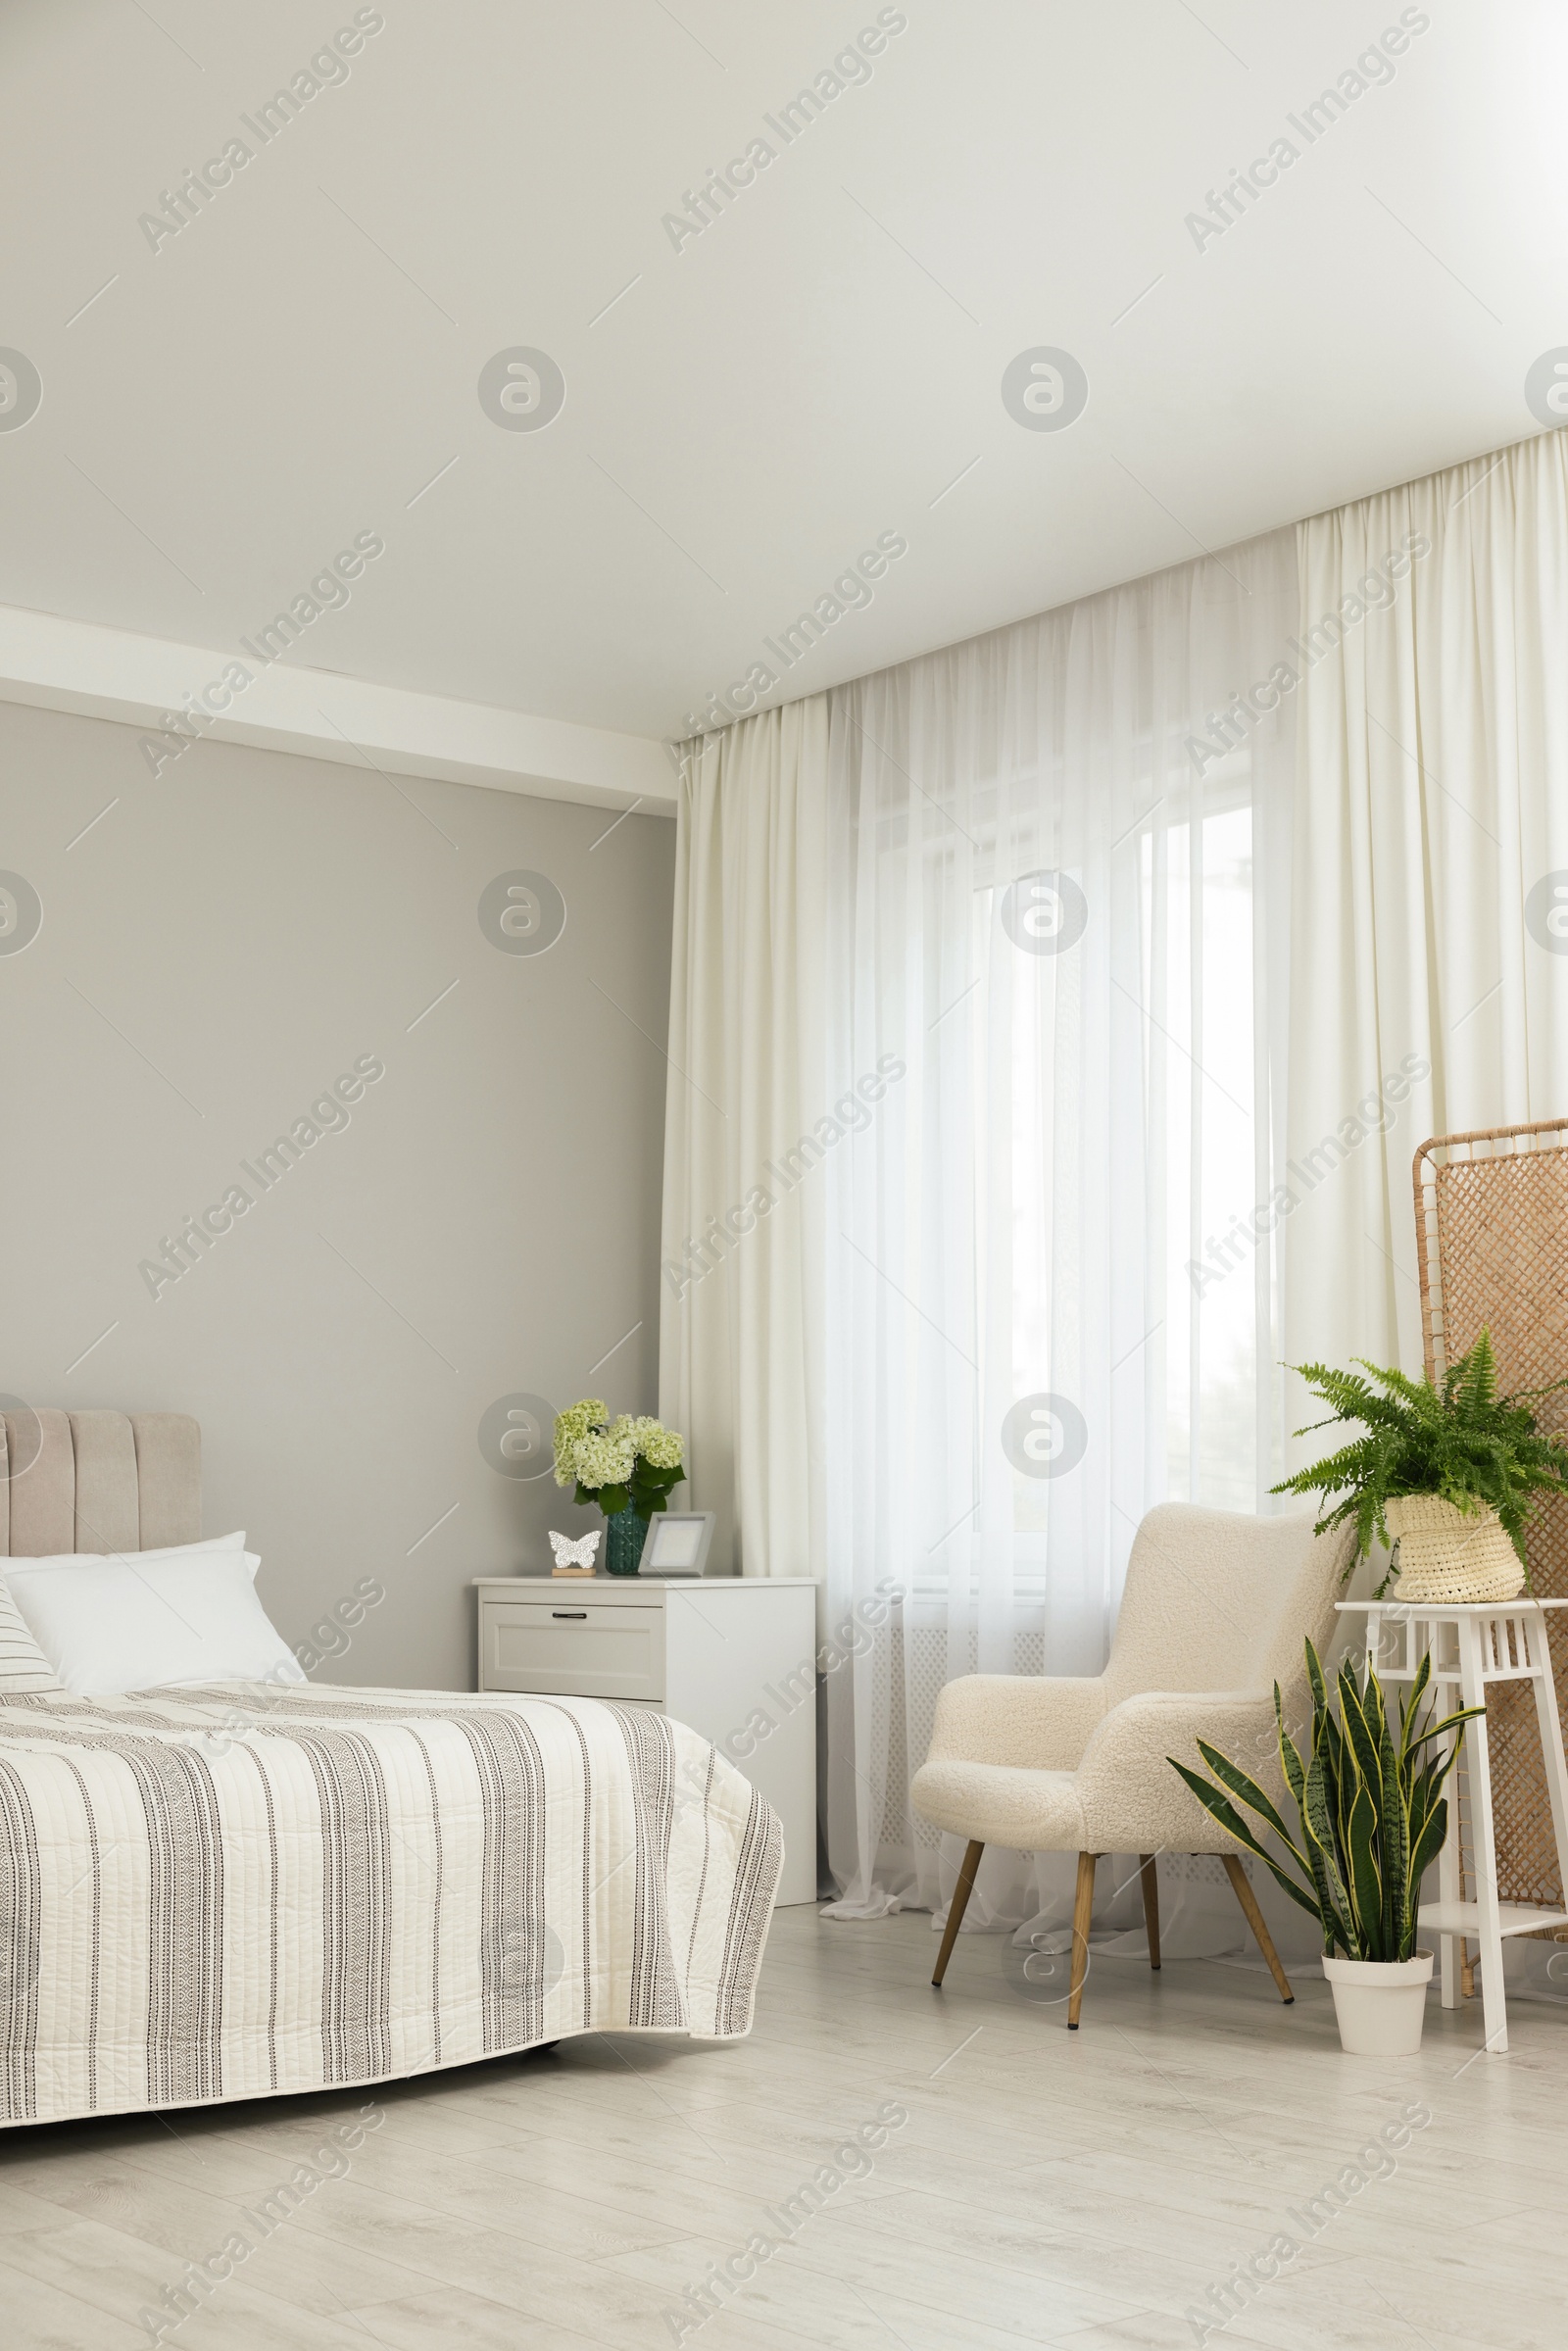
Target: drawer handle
582, 1612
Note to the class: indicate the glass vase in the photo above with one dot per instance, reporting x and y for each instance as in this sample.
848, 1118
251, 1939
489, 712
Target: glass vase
624, 1536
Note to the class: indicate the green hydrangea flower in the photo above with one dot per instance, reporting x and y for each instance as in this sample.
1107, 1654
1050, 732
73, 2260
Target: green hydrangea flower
634, 1456
578, 1421
603, 1459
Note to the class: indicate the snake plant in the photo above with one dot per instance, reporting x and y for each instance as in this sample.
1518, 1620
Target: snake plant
1372, 1809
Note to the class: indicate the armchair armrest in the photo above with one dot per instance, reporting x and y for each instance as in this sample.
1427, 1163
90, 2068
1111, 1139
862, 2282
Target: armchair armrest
1040, 1722
1135, 1803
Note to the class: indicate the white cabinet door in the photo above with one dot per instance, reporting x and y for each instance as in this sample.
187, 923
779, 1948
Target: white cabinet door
581, 1652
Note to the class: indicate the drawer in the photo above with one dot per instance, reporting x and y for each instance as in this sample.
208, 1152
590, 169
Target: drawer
590, 1650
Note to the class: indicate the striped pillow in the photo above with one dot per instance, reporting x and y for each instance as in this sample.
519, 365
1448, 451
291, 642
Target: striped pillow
23, 1664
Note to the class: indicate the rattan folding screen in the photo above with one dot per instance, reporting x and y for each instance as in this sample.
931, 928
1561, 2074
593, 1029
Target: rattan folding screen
1491, 1239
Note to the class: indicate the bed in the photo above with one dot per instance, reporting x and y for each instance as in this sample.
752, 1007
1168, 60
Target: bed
246, 1890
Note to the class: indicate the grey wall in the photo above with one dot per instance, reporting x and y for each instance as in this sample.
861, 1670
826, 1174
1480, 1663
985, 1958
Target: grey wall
215, 951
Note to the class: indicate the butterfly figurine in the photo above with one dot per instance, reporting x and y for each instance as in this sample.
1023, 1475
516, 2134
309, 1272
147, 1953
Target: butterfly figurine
574, 1558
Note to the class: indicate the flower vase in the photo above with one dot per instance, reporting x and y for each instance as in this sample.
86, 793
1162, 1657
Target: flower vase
624, 1536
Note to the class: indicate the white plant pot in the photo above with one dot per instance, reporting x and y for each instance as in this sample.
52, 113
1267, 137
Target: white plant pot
1380, 2004
1450, 1555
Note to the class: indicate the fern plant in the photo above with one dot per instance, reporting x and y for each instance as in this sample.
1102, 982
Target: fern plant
1372, 1810
1461, 1440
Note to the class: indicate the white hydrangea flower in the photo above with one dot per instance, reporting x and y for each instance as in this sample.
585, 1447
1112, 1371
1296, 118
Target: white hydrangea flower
660, 1447
602, 1458
571, 1426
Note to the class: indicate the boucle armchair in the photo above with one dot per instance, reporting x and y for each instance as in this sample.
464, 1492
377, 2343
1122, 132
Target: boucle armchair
1215, 1610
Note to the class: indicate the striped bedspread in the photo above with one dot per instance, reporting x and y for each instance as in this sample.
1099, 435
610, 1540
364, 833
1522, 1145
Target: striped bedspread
235, 1890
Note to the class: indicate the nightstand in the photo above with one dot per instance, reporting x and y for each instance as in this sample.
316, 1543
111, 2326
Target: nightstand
727, 1654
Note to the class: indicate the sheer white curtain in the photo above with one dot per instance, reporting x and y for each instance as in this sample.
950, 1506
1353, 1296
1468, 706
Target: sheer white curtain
974, 1111
1058, 896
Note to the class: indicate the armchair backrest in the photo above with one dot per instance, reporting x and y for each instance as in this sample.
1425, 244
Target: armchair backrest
1215, 1600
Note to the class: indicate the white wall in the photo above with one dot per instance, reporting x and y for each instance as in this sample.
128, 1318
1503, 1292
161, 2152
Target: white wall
219, 947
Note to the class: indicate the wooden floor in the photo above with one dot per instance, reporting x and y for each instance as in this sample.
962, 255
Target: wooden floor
1082, 2189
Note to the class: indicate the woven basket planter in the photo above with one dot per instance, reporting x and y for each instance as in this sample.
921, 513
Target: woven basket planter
1451, 1555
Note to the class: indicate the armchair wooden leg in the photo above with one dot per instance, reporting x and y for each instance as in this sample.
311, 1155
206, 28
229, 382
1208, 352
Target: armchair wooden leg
1145, 1866
958, 1907
1255, 1919
1082, 1910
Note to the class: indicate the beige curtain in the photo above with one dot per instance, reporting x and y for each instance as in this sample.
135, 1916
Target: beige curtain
1430, 893
747, 1026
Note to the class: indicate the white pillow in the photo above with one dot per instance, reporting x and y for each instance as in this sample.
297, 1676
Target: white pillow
23, 1664
151, 1619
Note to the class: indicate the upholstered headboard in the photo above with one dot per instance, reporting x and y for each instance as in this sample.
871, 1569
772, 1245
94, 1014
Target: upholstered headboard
98, 1481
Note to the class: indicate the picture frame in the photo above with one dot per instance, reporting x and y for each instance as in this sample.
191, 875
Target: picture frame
679, 1544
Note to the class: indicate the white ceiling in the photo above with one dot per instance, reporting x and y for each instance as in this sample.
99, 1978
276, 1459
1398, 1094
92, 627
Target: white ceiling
815, 369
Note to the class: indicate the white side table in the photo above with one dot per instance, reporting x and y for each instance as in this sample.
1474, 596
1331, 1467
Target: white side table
734, 1656
1473, 1645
